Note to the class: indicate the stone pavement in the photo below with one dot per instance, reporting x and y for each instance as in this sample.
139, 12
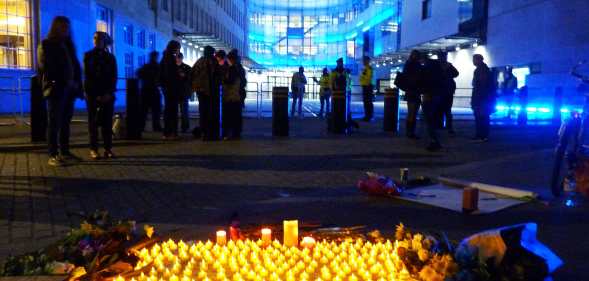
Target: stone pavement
195, 186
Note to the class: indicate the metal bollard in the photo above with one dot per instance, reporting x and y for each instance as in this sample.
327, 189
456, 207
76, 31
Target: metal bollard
390, 121
38, 111
280, 126
134, 110
339, 113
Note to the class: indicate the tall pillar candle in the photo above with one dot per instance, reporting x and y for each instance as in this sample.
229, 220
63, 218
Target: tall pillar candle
291, 233
221, 237
266, 236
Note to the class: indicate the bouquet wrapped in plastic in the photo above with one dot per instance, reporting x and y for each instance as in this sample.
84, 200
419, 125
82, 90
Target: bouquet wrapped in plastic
375, 184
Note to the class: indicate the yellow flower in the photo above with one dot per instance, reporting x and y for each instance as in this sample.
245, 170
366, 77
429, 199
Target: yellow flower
78, 272
400, 232
423, 255
148, 230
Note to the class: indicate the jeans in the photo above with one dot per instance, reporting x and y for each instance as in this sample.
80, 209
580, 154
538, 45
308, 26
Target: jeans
411, 122
232, 119
482, 121
151, 100
297, 96
325, 102
368, 100
430, 106
184, 114
171, 113
100, 115
60, 110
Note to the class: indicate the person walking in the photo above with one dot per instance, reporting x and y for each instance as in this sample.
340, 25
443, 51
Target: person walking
447, 99
324, 91
61, 74
509, 89
206, 85
184, 72
431, 83
483, 98
151, 98
232, 109
172, 85
297, 86
100, 71
367, 89
412, 72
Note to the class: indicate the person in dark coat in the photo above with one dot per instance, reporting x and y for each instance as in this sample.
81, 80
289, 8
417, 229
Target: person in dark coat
151, 99
61, 74
242, 77
171, 83
184, 72
509, 89
205, 83
100, 71
483, 98
447, 99
412, 70
232, 109
432, 85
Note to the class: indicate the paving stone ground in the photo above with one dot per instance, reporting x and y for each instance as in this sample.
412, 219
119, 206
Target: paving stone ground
195, 186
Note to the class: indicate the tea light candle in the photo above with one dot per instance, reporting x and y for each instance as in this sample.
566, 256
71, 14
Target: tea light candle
221, 237
291, 233
308, 242
266, 236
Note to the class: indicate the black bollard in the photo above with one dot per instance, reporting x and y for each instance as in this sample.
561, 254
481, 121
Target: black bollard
339, 113
280, 126
134, 110
38, 111
390, 121
556, 107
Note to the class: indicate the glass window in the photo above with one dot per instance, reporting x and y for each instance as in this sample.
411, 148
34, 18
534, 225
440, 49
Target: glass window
152, 41
426, 9
141, 39
165, 5
128, 34
129, 66
15, 34
103, 19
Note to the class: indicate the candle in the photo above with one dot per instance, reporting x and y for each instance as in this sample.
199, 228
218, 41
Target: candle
221, 237
308, 242
266, 236
291, 233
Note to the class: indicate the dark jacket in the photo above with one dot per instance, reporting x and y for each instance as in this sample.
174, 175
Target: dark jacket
231, 84
450, 72
412, 71
432, 80
483, 95
100, 71
185, 72
206, 76
149, 76
339, 79
169, 75
59, 67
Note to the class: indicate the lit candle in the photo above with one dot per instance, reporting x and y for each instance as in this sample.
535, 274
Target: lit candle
291, 233
266, 236
308, 242
221, 237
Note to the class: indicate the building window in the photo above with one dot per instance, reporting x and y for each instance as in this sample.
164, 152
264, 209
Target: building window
128, 34
152, 41
426, 9
141, 39
15, 34
129, 67
165, 5
103, 19
140, 60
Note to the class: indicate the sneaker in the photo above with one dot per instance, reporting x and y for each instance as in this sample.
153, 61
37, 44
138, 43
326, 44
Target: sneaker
94, 154
68, 156
55, 161
108, 154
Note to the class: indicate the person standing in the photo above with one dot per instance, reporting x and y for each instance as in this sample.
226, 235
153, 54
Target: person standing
367, 89
232, 109
447, 99
151, 99
242, 88
324, 91
172, 85
431, 83
412, 72
61, 74
508, 89
483, 98
184, 72
297, 86
100, 71
206, 86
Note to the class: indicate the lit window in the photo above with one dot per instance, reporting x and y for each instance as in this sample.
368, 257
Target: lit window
426, 9
15, 34
103, 19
